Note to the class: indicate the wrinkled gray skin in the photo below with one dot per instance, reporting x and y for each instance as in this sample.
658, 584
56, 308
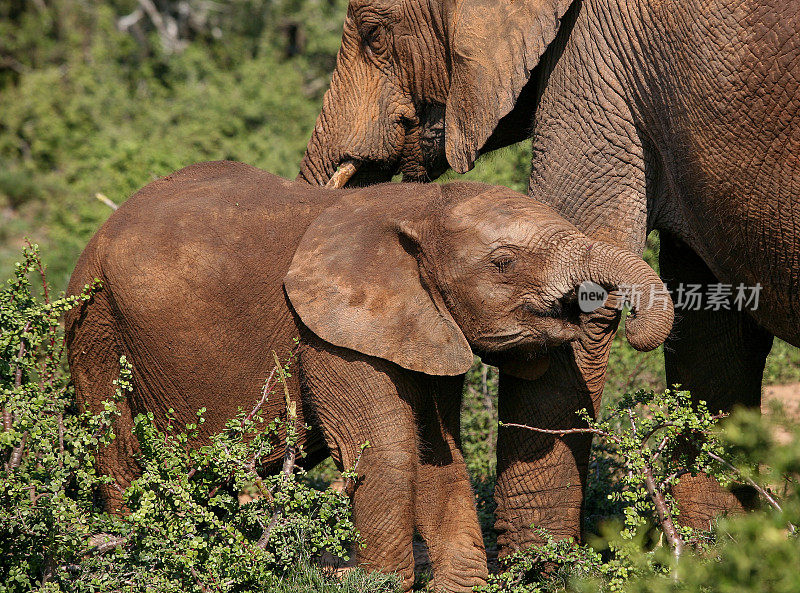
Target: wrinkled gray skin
676, 115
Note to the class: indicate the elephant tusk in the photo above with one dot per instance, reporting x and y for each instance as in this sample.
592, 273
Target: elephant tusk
342, 175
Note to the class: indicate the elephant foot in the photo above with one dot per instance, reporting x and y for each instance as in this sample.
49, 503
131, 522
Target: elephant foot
526, 521
401, 565
701, 500
461, 570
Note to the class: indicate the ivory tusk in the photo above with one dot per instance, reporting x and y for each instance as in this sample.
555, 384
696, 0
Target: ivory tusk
342, 175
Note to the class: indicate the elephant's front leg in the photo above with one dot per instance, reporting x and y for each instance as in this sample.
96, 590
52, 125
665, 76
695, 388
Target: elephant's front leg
445, 503
356, 401
383, 509
541, 478
719, 356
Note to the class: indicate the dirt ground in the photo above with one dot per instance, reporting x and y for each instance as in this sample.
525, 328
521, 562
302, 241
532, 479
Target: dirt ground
788, 394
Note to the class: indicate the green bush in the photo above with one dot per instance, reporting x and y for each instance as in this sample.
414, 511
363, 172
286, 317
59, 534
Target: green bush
47, 480
646, 442
186, 529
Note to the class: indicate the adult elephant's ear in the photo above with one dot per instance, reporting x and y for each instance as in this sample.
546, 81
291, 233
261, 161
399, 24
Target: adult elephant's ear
356, 283
494, 46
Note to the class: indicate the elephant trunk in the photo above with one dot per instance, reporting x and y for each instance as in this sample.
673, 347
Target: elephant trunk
324, 163
357, 139
318, 166
614, 268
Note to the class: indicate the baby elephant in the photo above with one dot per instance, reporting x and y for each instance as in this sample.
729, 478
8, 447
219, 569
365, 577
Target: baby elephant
390, 289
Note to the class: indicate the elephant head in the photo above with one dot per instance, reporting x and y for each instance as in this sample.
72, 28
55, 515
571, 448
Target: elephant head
423, 280
421, 85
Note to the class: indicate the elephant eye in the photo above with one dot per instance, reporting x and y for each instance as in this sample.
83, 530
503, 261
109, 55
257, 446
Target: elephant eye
373, 38
504, 264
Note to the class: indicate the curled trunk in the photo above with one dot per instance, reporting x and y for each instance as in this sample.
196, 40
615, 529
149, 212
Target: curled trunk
613, 268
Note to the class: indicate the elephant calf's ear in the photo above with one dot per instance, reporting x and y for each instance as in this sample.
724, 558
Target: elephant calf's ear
354, 283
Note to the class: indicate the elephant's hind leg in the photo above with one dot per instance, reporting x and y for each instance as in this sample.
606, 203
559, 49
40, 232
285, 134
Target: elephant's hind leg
719, 356
444, 505
94, 351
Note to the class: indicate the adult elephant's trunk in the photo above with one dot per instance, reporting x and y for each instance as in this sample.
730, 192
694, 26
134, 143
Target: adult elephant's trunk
319, 163
613, 268
361, 133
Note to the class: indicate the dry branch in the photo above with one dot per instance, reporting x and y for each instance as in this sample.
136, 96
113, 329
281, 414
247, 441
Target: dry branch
562, 432
290, 454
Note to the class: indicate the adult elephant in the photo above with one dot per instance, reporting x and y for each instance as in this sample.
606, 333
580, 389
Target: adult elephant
676, 115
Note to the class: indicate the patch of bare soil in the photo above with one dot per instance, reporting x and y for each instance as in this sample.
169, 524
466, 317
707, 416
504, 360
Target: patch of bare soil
789, 395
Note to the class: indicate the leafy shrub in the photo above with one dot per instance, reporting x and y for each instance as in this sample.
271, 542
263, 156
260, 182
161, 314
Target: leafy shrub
647, 442
186, 529
546, 568
46, 446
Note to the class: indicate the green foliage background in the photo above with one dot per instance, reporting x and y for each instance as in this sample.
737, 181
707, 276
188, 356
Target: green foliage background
88, 108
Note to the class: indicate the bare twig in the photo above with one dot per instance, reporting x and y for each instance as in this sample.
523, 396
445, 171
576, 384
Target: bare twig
265, 393
673, 476
487, 402
634, 374
197, 580
41, 269
16, 453
563, 432
349, 483
13, 64
102, 543
762, 491
126, 22
664, 513
61, 439
8, 419
105, 200
165, 25
633, 424
20, 354
660, 449
290, 454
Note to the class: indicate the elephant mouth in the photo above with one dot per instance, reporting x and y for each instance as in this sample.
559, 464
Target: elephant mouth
421, 158
555, 323
503, 341
564, 308
359, 173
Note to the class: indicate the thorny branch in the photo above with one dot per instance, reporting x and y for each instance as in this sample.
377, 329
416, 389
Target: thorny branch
762, 491
266, 391
665, 517
8, 419
350, 482
563, 432
290, 454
